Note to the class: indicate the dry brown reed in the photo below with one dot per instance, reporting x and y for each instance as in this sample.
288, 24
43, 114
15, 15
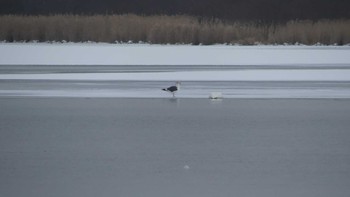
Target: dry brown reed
163, 29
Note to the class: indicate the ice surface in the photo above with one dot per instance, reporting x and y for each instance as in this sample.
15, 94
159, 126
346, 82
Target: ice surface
240, 75
113, 54
141, 147
189, 89
91, 146
140, 71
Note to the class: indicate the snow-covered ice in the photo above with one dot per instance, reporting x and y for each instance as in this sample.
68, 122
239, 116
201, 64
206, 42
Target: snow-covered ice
164, 146
113, 54
110, 70
240, 75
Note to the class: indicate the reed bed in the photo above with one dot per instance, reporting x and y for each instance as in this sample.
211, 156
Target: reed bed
162, 29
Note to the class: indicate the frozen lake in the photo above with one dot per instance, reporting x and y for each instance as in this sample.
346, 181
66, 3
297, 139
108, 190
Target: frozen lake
78, 147
90, 70
152, 89
198, 81
86, 120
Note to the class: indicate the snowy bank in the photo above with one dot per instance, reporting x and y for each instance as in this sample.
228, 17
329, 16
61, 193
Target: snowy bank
235, 75
117, 54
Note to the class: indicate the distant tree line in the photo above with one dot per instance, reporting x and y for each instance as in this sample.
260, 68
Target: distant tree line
242, 10
162, 29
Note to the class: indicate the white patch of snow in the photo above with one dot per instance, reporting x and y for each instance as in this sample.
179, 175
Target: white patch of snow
186, 167
235, 75
145, 54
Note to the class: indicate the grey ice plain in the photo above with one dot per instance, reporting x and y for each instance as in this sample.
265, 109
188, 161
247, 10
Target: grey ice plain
124, 137
76, 147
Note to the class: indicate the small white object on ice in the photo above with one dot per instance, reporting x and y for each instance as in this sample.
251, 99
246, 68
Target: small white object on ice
215, 95
186, 167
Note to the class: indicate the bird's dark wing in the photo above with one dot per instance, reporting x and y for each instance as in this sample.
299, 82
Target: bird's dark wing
172, 88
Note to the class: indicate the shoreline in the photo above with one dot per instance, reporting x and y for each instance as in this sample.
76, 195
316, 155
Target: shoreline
113, 54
